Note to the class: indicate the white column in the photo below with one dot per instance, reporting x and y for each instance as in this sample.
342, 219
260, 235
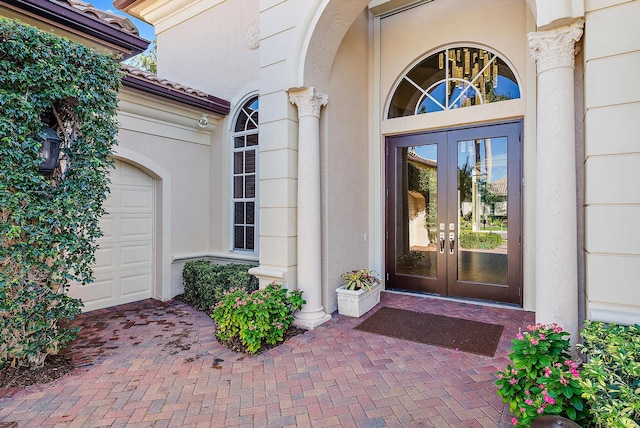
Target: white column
309, 103
556, 219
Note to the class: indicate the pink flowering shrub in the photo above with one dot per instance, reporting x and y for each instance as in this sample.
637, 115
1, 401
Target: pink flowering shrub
254, 318
543, 379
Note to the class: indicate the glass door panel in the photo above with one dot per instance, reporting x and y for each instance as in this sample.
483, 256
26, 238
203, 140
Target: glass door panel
417, 211
453, 213
482, 207
416, 259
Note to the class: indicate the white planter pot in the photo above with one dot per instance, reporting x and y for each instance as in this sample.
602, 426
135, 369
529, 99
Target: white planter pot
354, 303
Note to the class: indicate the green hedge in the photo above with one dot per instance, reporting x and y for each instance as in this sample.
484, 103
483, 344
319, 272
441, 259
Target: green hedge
611, 379
205, 283
480, 240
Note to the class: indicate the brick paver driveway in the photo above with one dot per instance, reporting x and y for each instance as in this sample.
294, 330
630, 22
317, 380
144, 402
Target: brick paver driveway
154, 364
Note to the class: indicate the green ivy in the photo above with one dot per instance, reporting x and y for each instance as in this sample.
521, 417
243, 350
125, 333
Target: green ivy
49, 225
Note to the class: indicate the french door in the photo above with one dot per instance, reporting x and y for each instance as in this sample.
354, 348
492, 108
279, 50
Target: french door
453, 212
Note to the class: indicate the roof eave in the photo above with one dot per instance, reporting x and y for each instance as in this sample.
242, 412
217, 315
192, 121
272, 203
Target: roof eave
211, 104
129, 44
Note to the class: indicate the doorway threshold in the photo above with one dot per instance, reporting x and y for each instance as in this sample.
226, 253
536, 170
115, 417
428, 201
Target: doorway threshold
455, 299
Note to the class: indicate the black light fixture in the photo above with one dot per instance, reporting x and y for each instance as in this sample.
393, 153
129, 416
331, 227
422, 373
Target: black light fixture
50, 149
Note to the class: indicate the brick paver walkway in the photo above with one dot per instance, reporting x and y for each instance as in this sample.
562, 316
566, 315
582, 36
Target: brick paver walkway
154, 364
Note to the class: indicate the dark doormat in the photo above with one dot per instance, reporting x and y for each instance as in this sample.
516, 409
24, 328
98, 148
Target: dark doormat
454, 333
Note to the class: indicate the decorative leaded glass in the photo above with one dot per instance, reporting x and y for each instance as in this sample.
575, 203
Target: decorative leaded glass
453, 78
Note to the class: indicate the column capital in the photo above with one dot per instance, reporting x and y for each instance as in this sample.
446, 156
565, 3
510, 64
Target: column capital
555, 48
308, 100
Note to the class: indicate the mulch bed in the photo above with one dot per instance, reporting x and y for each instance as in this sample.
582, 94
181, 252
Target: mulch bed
55, 366
236, 345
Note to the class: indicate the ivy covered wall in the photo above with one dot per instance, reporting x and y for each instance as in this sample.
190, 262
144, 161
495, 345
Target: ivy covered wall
49, 224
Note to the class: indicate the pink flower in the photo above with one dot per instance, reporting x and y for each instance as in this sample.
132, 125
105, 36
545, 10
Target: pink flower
540, 410
541, 336
527, 392
549, 400
520, 336
529, 401
513, 381
534, 341
500, 376
547, 371
514, 421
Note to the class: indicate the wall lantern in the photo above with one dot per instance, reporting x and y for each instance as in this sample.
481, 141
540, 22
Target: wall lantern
50, 150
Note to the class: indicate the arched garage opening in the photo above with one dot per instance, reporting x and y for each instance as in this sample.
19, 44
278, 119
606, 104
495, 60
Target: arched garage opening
133, 258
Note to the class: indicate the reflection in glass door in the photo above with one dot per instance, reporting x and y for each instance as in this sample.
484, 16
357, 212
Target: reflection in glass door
453, 213
482, 210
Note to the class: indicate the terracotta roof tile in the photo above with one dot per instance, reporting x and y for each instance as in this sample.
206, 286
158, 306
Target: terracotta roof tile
118, 21
151, 83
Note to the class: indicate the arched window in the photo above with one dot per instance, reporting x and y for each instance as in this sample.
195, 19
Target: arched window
245, 151
453, 78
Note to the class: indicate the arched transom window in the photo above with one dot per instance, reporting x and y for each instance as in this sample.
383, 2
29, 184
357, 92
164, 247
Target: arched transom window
453, 78
245, 150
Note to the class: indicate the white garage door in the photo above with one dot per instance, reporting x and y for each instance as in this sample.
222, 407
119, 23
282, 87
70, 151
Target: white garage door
124, 260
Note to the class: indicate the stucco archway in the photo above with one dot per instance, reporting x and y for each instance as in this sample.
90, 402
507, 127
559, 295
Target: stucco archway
331, 22
162, 201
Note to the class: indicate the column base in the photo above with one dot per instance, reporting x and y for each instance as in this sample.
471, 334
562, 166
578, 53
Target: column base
266, 275
311, 320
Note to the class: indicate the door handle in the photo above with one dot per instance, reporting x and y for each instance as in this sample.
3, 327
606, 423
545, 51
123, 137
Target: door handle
452, 242
441, 242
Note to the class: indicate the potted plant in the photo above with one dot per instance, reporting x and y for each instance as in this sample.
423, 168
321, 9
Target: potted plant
360, 291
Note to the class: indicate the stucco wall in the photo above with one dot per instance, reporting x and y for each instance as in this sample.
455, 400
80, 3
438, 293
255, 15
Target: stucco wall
213, 46
165, 141
612, 196
345, 161
212, 50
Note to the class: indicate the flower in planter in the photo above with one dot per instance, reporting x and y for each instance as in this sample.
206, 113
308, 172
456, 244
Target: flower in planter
542, 379
360, 279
